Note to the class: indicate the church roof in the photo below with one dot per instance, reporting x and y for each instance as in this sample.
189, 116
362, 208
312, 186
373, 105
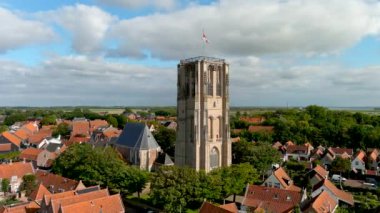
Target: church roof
137, 135
164, 159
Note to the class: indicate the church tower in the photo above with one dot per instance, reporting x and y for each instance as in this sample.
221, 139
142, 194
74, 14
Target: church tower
203, 133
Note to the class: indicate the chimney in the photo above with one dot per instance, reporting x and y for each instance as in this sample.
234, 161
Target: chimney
23, 160
10, 162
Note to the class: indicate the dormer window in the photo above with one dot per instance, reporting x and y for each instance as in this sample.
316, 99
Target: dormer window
288, 198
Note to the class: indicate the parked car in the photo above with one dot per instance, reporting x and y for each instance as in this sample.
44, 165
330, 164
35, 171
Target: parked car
369, 185
371, 180
338, 178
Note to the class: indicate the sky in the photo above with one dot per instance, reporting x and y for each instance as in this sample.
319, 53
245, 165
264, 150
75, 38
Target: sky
125, 52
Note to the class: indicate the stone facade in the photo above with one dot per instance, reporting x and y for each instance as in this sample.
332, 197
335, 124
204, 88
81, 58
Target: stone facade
203, 132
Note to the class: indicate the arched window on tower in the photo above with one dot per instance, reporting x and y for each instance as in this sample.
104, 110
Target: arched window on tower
214, 158
210, 81
218, 81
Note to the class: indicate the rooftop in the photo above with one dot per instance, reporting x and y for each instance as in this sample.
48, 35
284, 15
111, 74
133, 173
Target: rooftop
202, 58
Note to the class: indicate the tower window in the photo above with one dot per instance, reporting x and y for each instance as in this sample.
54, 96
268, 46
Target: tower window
214, 158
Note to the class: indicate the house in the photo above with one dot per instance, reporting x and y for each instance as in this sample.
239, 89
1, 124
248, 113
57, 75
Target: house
260, 129
373, 159
340, 196
92, 199
298, 152
342, 152
322, 203
138, 146
103, 136
253, 120
37, 139
14, 172
163, 159
358, 163
270, 199
280, 179
25, 207
9, 142
327, 158
211, 208
38, 194
56, 183
131, 116
171, 125
151, 128
95, 124
317, 175
80, 127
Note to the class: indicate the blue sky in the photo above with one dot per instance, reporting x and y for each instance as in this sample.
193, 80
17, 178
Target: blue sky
124, 52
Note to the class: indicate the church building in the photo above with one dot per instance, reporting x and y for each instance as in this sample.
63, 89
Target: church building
203, 128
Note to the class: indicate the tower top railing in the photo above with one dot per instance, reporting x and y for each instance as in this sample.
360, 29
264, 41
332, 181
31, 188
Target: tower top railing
202, 58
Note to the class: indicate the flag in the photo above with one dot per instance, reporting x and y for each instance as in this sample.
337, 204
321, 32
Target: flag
204, 37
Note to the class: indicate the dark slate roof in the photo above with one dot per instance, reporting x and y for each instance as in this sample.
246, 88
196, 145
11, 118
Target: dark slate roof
52, 147
88, 189
164, 159
137, 135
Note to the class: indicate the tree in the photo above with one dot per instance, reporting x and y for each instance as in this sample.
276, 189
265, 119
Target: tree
166, 139
112, 120
49, 120
178, 188
341, 165
261, 156
5, 185
234, 179
99, 166
3, 128
62, 129
29, 183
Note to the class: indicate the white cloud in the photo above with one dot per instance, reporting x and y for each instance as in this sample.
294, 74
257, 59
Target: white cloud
246, 28
80, 80
87, 24
16, 31
133, 4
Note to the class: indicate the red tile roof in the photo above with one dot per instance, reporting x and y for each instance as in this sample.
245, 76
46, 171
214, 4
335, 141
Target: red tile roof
81, 127
284, 179
97, 123
341, 151
28, 207
5, 147
271, 199
321, 171
112, 204
22, 134
340, 194
12, 138
61, 202
40, 136
58, 182
374, 154
30, 154
211, 208
18, 169
39, 193
360, 155
296, 149
31, 127
254, 120
323, 203
260, 128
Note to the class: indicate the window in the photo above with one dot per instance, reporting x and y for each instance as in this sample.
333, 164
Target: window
277, 185
214, 158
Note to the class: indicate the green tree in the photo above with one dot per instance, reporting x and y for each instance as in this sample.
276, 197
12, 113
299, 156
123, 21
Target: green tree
49, 120
99, 166
5, 185
261, 156
234, 179
112, 120
3, 128
166, 139
29, 183
62, 129
341, 165
15, 117
179, 188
